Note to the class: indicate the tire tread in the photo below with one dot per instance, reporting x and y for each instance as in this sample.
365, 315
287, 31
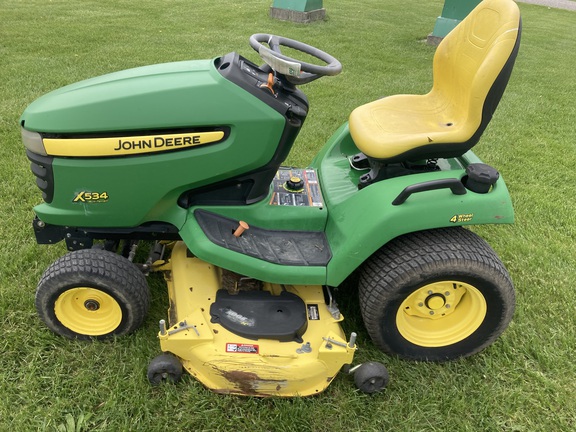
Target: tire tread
93, 267
431, 252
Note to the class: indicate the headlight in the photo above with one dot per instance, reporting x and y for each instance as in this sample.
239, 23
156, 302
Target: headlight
33, 142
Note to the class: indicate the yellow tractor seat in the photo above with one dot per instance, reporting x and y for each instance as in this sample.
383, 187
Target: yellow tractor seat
471, 69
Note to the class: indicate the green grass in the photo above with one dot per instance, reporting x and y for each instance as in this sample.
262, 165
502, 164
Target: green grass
524, 382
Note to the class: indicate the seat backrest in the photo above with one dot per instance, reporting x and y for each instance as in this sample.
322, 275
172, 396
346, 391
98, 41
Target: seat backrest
472, 65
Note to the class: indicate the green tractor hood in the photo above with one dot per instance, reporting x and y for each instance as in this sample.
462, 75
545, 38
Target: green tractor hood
141, 146
165, 96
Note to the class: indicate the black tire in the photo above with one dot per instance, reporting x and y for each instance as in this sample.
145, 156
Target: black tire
405, 290
92, 293
164, 368
371, 377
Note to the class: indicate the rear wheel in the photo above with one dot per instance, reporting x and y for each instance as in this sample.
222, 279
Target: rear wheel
92, 293
435, 295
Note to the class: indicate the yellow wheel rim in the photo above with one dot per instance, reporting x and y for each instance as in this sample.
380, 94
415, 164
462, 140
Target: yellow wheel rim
88, 311
441, 314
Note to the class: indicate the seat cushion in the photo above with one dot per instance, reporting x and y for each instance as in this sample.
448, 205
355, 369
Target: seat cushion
389, 128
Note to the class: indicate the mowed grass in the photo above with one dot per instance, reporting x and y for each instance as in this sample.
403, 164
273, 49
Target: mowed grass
524, 382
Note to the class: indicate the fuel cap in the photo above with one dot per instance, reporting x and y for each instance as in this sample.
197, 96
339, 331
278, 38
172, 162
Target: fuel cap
481, 177
295, 184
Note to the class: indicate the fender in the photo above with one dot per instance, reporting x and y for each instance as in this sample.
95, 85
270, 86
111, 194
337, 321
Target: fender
361, 222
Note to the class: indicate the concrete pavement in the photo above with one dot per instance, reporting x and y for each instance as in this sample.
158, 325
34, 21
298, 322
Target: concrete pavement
557, 4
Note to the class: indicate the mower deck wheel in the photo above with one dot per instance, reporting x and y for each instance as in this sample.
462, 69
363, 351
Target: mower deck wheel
164, 368
371, 377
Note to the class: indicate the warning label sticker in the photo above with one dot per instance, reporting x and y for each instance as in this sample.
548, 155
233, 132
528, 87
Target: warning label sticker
308, 195
241, 348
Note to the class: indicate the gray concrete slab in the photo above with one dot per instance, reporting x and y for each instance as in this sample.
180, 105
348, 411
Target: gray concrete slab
557, 4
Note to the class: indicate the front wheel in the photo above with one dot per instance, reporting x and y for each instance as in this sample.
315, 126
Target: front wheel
435, 295
92, 293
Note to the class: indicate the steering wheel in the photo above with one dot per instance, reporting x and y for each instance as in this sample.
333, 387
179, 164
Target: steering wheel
296, 71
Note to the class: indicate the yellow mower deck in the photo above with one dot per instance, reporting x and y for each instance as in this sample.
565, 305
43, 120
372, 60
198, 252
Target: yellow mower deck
226, 362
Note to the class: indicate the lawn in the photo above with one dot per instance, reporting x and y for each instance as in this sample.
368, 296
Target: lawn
524, 382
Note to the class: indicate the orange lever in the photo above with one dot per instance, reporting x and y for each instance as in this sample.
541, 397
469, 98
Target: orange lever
242, 226
270, 84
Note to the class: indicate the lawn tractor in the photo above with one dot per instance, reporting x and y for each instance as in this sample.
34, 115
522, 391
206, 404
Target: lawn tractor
186, 158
